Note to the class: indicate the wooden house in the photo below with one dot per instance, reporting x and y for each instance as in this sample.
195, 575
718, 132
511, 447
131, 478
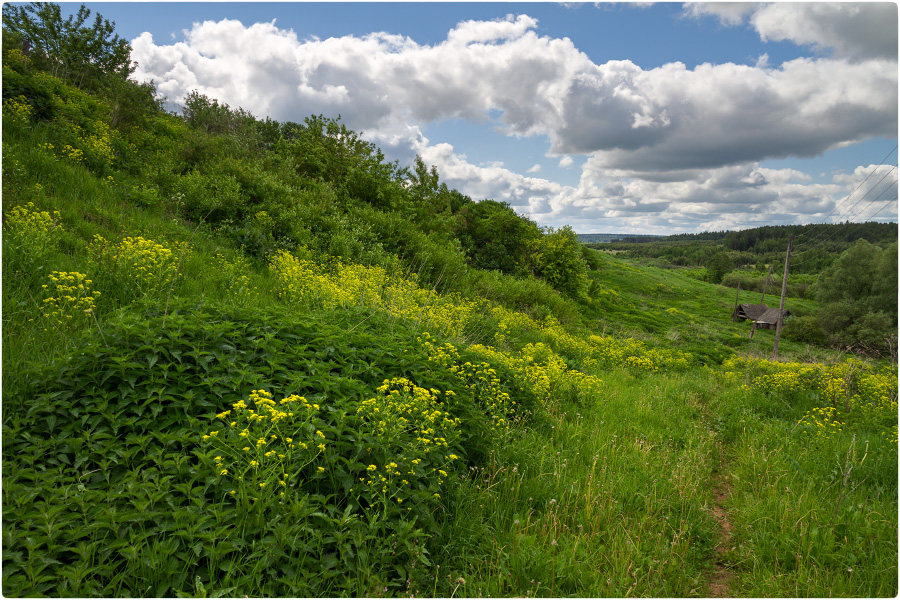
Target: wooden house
749, 312
769, 319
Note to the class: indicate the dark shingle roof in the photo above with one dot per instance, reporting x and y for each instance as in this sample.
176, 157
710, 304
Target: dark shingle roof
751, 311
770, 316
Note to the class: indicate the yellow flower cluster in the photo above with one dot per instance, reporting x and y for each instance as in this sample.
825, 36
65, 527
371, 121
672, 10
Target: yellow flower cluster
30, 234
410, 424
98, 142
512, 323
303, 281
479, 379
636, 355
890, 436
15, 55
71, 302
401, 406
16, 111
608, 352
853, 394
542, 371
141, 263
263, 447
30, 222
779, 378
824, 421
72, 153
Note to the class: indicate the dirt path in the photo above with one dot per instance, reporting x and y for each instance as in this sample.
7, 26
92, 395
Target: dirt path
722, 576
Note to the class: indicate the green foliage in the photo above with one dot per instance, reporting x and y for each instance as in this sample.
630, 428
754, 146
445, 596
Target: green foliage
19, 81
572, 448
129, 415
494, 237
29, 238
858, 295
719, 266
758, 247
325, 149
805, 329
433, 202
557, 260
69, 49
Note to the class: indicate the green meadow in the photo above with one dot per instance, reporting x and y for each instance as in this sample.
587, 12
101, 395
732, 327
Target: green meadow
237, 363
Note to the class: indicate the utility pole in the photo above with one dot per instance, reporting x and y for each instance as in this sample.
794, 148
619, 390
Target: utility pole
734, 312
766, 285
787, 263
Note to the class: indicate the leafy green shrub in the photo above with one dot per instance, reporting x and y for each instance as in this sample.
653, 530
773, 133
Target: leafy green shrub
858, 296
115, 437
20, 81
557, 260
213, 197
805, 329
718, 266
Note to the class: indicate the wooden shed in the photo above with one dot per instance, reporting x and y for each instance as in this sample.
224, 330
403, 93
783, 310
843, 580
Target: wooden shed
769, 319
749, 311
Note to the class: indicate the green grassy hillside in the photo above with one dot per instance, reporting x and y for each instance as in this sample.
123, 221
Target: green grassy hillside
246, 358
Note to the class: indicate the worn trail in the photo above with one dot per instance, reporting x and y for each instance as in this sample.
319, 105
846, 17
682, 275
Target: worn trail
720, 585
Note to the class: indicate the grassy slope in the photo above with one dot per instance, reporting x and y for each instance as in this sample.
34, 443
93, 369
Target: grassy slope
606, 494
689, 314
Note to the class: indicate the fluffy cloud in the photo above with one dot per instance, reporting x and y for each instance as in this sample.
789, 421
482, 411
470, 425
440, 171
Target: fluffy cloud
670, 117
729, 13
715, 115
855, 30
669, 144
528, 195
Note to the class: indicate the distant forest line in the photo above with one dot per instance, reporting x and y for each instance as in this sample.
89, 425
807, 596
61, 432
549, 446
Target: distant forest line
816, 246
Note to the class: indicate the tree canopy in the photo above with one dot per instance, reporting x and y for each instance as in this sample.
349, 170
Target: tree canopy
71, 49
858, 296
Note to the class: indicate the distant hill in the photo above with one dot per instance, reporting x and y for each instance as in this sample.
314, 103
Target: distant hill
593, 238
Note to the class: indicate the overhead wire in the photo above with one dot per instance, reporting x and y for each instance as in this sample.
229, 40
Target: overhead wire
848, 232
855, 204
823, 229
850, 195
858, 215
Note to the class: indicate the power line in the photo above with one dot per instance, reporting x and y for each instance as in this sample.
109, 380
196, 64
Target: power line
847, 233
855, 204
854, 190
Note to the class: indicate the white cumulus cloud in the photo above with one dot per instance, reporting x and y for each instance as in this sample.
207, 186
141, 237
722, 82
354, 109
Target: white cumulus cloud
666, 144
856, 30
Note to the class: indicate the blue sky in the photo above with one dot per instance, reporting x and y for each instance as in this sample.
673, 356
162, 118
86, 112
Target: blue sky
632, 118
